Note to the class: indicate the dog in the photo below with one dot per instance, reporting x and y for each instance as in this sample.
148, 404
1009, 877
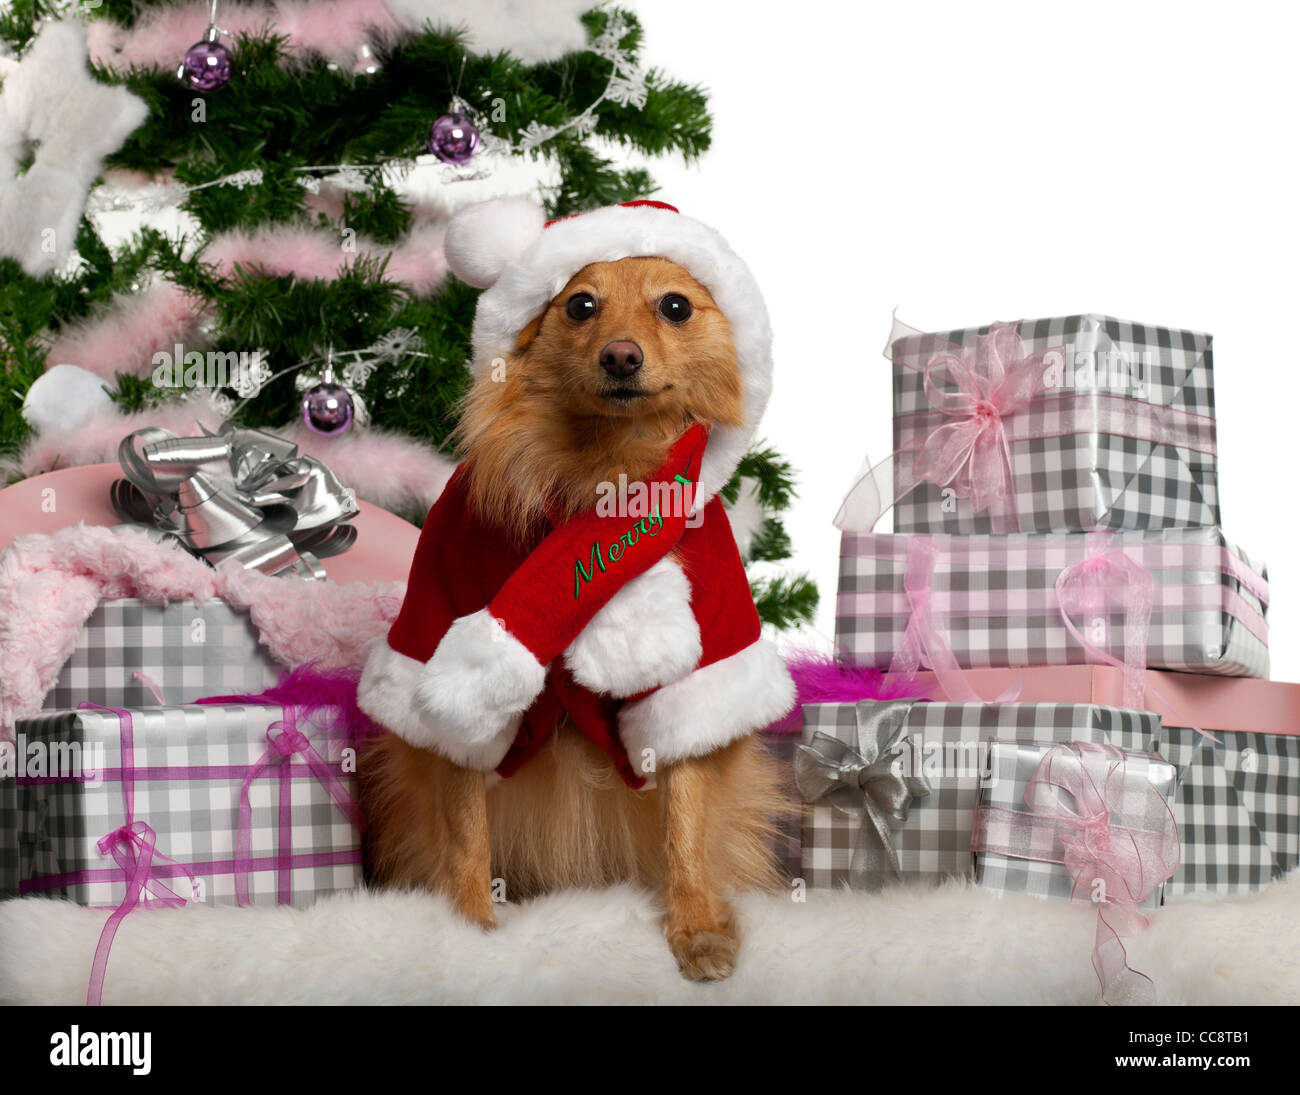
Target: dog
601, 383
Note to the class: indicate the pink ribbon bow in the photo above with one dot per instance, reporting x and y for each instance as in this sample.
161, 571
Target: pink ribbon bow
923, 644
994, 378
133, 846
1120, 842
284, 745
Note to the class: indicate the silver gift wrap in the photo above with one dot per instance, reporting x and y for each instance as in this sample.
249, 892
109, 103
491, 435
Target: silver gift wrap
1074, 463
189, 766
1012, 766
950, 742
996, 601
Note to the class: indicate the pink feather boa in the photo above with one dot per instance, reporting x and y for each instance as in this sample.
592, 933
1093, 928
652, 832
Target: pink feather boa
124, 336
50, 584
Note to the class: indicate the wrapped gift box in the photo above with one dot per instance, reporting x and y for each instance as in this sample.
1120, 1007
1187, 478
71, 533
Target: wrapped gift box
1003, 600
1238, 800
1018, 853
186, 649
183, 770
949, 742
786, 841
1120, 435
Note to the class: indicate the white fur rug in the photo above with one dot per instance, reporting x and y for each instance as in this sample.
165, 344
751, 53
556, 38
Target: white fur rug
954, 945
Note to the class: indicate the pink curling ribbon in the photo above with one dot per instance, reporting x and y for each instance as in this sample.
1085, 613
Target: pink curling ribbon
923, 644
1115, 835
286, 742
133, 847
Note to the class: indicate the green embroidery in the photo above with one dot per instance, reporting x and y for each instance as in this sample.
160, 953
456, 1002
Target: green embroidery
646, 526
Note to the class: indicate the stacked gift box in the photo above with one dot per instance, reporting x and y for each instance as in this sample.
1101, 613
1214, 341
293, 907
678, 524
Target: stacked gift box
1061, 595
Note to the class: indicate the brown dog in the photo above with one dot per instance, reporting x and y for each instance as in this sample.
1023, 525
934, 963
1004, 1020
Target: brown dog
625, 357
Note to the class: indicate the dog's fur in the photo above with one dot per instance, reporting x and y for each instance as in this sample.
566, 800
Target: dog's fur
544, 436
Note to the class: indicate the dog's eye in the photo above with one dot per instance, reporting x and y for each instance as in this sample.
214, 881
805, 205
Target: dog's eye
675, 308
580, 306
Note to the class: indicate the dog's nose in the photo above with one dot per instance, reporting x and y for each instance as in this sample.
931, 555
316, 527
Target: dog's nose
621, 359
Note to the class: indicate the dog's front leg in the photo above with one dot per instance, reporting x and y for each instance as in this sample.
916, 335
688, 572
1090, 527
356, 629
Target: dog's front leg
427, 825
699, 923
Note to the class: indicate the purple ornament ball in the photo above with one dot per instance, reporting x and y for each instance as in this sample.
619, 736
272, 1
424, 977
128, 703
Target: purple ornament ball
327, 409
453, 138
206, 66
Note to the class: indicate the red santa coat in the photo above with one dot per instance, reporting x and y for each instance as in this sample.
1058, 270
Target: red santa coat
641, 628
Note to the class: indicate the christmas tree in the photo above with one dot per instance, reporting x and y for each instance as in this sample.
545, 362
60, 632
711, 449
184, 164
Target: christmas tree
287, 170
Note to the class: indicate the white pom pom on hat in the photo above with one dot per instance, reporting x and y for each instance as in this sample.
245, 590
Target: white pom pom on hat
521, 260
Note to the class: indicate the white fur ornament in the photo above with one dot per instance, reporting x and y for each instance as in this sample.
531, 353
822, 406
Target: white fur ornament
51, 100
483, 239
64, 396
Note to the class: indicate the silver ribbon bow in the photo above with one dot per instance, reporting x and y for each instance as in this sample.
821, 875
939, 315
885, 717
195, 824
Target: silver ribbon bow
866, 779
242, 497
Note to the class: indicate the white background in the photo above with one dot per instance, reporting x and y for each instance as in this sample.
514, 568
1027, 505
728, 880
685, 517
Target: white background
966, 163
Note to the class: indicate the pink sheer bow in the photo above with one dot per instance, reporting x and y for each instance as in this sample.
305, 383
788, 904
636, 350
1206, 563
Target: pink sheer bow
133, 846
994, 378
1120, 842
924, 644
285, 742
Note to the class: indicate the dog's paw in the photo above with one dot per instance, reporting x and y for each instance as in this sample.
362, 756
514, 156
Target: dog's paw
704, 955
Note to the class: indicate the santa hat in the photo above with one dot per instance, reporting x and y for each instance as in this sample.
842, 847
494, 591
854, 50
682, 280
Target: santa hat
508, 247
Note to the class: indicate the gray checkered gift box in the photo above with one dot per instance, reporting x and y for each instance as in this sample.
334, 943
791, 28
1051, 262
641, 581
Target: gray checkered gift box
187, 649
188, 769
1237, 808
1139, 788
8, 827
786, 840
1123, 437
994, 601
951, 744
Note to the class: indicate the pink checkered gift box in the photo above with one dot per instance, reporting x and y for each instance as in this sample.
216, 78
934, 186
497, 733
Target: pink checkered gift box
1172, 599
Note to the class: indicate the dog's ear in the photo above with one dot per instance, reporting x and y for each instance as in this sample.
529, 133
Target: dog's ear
529, 333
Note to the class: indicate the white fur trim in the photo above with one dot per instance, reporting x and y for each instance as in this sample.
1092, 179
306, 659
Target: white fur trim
645, 636
479, 680
746, 516
483, 239
387, 694
532, 31
713, 706
527, 285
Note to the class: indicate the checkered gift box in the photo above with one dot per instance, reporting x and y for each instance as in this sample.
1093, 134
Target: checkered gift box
1140, 793
188, 649
8, 826
785, 843
187, 767
950, 742
1123, 436
1237, 807
997, 600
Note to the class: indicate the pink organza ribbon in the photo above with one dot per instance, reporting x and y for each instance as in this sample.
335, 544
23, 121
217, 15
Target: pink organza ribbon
1119, 841
133, 846
993, 379
924, 644
285, 742
990, 381
1106, 582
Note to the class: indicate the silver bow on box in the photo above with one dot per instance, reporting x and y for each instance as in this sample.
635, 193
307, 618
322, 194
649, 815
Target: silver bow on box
867, 779
242, 497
